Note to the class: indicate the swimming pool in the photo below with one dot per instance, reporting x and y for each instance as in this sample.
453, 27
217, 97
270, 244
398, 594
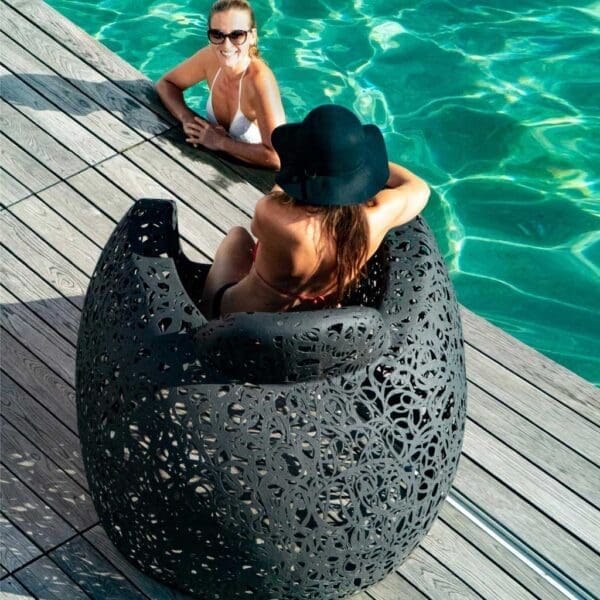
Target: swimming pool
495, 103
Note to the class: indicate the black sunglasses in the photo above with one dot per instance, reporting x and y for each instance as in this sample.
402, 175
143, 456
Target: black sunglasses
237, 37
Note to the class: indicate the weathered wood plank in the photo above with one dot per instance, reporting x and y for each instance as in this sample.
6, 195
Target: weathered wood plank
394, 587
80, 74
107, 197
527, 400
44, 342
547, 494
15, 548
39, 425
471, 565
67, 98
23, 167
36, 142
191, 190
571, 469
55, 230
38, 381
93, 53
545, 537
498, 553
554, 379
138, 184
213, 171
11, 589
49, 118
49, 481
43, 300
261, 178
30, 248
80, 213
46, 580
152, 588
12, 190
102, 194
42, 525
88, 569
433, 579
95, 225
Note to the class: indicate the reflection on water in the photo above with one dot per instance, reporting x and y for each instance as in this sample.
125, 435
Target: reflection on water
496, 105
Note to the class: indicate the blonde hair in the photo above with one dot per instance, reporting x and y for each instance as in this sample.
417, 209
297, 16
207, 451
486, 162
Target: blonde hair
224, 5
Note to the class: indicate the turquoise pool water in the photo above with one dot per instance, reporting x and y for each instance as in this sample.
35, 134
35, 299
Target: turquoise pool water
496, 103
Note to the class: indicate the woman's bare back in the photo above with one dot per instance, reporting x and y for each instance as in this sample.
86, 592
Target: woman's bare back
294, 258
294, 261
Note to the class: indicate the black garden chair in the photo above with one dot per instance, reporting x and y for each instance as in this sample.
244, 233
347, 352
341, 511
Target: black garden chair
279, 455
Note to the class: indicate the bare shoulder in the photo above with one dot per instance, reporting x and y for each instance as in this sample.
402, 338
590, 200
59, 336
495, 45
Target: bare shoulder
196, 68
274, 219
205, 59
205, 55
273, 213
261, 77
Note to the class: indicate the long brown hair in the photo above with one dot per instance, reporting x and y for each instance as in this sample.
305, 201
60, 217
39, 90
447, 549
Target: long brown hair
224, 5
347, 226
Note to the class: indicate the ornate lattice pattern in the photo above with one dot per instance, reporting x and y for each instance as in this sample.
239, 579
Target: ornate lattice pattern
279, 455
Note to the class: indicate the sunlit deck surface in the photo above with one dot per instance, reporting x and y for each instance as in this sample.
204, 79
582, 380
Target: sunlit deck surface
82, 138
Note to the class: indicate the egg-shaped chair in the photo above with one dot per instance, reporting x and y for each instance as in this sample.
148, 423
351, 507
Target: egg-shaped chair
289, 455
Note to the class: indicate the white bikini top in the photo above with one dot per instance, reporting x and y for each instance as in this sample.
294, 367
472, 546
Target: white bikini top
241, 128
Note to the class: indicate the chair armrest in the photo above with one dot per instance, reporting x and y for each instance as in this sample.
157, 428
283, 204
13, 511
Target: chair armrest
287, 347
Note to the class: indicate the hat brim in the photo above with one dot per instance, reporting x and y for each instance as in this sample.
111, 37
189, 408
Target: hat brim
324, 190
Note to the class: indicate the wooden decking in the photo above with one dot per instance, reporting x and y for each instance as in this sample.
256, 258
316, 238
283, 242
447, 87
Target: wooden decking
82, 138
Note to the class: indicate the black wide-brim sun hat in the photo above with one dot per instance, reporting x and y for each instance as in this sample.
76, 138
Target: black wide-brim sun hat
330, 159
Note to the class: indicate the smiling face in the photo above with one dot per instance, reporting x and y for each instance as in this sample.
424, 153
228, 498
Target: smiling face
227, 53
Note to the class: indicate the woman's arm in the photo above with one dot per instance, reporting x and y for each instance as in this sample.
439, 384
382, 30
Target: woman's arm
269, 114
170, 87
404, 198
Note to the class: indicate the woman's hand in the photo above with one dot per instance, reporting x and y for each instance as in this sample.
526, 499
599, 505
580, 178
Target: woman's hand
201, 132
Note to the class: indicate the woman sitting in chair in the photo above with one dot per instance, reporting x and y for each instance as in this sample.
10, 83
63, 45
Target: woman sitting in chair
336, 198
244, 104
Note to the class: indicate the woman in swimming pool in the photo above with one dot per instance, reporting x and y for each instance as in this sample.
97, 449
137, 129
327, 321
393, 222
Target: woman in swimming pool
337, 197
244, 104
